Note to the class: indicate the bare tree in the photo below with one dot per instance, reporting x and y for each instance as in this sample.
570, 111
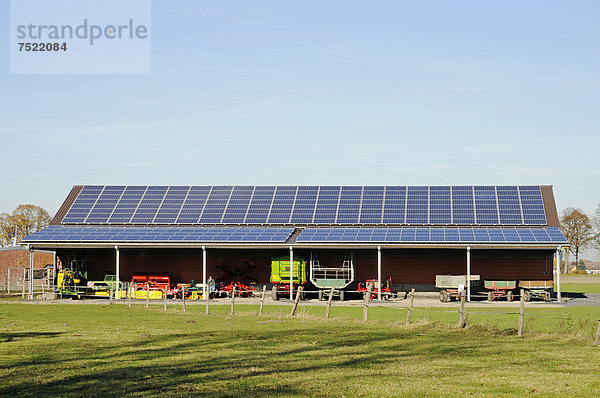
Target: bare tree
25, 219
577, 228
596, 226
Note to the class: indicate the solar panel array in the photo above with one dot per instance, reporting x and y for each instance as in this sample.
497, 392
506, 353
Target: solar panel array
78, 234
61, 233
309, 205
433, 234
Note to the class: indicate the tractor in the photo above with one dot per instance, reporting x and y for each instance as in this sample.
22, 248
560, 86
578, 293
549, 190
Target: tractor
71, 281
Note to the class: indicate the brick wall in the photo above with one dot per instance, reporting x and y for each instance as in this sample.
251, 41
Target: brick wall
19, 258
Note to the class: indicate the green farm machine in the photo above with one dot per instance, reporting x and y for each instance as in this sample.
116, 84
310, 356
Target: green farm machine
280, 276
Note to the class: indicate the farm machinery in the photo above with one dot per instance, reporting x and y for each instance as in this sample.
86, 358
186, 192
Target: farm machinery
71, 281
453, 285
280, 276
104, 287
386, 288
536, 289
240, 289
150, 285
193, 291
326, 278
499, 289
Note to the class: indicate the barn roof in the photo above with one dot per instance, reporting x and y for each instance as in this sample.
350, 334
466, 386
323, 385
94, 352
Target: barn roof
306, 215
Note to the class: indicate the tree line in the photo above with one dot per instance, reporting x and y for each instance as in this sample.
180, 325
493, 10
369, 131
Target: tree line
23, 221
582, 231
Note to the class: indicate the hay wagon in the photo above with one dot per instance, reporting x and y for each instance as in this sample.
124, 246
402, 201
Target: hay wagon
536, 289
499, 289
452, 285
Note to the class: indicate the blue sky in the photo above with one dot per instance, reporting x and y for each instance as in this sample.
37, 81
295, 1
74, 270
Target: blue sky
313, 92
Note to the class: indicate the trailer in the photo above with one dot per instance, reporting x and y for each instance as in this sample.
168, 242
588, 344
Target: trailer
452, 285
499, 289
326, 278
280, 276
536, 289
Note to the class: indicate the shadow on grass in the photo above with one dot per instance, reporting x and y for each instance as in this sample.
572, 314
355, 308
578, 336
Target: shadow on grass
12, 336
230, 358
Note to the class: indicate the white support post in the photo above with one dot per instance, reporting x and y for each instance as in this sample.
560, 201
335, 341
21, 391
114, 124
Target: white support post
118, 265
204, 290
31, 263
53, 268
291, 273
379, 272
558, 295
468, 274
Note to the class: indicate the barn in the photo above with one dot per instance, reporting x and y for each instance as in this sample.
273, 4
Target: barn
407, 233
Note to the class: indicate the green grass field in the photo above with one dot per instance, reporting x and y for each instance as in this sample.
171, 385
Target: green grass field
580, 287
112, 350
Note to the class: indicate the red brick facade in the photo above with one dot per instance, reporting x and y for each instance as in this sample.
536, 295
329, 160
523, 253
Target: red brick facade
18, 257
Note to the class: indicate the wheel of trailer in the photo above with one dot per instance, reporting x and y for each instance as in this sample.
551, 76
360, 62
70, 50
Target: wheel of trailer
547, 297
444, 296
490, 296
274, 293
526, 295
320, 295
509, 296
341, 295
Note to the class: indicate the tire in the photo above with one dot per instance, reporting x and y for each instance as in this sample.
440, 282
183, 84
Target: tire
509, 296
320, 295
274, 295
342, 295
444, 296
490, 296
526, 295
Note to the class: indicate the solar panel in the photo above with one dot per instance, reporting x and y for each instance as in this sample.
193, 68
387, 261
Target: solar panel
307, 205
433, 234
62, 233
486, 207
304, 205
349, 205
327, 204
463, 205
532, 204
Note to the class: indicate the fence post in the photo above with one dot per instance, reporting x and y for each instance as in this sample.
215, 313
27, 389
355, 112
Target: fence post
521, 313
462, 322
183, 298
23, 293
329, 304
8, 282
597, 340
367, 301
410, 307
262, 300
43, 295
128, 295
232, 301
165, 307
298, 294
207, 298
110, 295
147, 294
